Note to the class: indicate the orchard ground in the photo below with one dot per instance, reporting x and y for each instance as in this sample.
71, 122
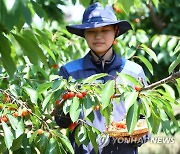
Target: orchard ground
165, 148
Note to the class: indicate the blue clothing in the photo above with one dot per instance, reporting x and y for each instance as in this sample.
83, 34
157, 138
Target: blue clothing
85, 67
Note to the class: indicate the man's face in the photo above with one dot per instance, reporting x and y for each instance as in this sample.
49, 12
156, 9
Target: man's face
100, 39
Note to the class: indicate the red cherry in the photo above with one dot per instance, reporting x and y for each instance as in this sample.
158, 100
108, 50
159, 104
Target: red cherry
71, 94
72, 126
40, 131
137, 20
137, 88
119, 125
24, 112
65, 96
6, 98
84, 93
79, 95
4, 118
96, 108
16, 114
55, 66
58, 102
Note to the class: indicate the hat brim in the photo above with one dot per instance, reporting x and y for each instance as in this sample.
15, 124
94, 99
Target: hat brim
123, 26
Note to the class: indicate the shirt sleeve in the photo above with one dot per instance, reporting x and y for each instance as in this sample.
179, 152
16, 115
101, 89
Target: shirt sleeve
63, 72
61, 119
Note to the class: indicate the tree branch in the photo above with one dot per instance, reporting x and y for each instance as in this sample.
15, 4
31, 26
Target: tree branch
172, 77
156, 19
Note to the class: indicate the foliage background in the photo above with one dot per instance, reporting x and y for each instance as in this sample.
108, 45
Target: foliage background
31, 52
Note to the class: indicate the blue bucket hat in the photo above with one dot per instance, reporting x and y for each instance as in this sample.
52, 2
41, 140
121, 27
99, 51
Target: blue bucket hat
98, 16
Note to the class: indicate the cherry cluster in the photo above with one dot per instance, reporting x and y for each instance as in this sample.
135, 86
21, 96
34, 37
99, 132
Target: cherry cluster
116, 125
71, 94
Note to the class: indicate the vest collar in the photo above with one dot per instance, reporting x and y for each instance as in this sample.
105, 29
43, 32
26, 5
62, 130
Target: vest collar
89, 64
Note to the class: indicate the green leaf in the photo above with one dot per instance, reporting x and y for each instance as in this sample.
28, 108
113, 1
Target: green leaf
26, 14
147, 63
76, 135
59, 84
56, 84
178, 85
156, 120
42, 142
146, 106
155, 41
107, 113
29, 33
40, 12
163, 40
103, 2
20, 127
133, 44
107, 92
17, 124
46, 101
82, 134
90, 117
50, 52
17, 143
149, 123
26, 145
156, 2
75, 109
33, 47
177, 48
92, 78
166, 126
87, 106
174, 64
65, 141
61, 147
130, 52
9, 4
172, 43
8, 136
52, 147
130, 99
2, 145
163, 115
5, 50
92, 136
141, 36
169, 90
170, 113
66, 106
150, 52
32, 94
41, 88
54, 77
32, 55
132, 117
43, 37
42, 71
127, 79
85, 3
126, 5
